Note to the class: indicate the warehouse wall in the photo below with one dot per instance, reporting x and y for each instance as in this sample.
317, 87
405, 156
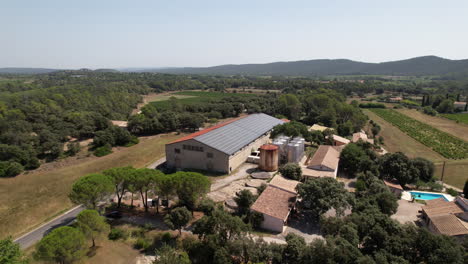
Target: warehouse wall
190, 159
241, 156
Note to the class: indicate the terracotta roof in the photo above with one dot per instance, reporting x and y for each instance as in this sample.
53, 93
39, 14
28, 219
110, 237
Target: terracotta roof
285, 120
284, 184
341, 139
449, 225
319, 127
359, 135
394, 185
119, 123
206, 130
308, 172
325, 156
275, 203
459, 103
438, 207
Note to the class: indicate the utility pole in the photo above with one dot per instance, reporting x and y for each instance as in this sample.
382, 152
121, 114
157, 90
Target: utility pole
443, 171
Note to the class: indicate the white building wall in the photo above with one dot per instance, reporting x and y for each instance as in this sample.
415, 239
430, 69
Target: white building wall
272, 224
241, 156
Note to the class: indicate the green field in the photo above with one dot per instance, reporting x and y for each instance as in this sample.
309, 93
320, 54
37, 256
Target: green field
443, 143
196, 97
462, 118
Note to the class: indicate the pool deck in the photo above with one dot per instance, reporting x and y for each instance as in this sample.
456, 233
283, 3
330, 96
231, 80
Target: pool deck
406, 195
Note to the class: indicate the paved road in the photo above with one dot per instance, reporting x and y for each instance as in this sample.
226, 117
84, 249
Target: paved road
34, 236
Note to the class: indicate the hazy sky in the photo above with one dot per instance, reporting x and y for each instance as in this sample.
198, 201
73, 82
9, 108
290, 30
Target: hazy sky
153, 33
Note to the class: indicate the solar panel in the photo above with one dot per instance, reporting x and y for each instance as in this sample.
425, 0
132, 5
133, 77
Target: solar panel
238, 134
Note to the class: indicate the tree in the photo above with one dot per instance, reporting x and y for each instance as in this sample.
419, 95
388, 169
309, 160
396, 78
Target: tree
191, 186
425, 168
318, 195
63, 245
465, 189
290, 106
353, 159
169, 255
294, 249
92, 225
121, 178
397, 165
291, 171
290, 129
144, 181
10, 168
224, 226
178, 218
244, 199
11, 253
91, 189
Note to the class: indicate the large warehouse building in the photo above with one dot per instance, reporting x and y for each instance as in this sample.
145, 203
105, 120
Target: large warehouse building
221, 148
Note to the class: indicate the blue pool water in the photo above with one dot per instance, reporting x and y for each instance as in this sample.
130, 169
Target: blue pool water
426, 196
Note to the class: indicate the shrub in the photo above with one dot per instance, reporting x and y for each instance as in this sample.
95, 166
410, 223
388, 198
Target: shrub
10, 168
429, 111
206, 206
142, 243
292, 171
371, 105
116, 234
261, 188
103, 151
452, 192
256, 219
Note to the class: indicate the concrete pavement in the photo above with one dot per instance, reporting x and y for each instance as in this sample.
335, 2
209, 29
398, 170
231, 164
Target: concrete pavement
37, 234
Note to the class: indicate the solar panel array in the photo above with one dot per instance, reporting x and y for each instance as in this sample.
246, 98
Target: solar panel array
238, 134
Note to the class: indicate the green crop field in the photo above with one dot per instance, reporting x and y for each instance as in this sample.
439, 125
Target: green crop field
195, 97
462, 118
443, 143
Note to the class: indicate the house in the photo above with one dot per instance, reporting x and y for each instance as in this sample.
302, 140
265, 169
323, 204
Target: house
448, 218
361, 136
284, 184
221, 148
275, 205
317, 127
459, 105
324, 163
120, 123
394, 188
340, 141
395, 99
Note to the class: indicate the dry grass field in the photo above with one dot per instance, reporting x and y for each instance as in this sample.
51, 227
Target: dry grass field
30, 199
459, 130
396, 140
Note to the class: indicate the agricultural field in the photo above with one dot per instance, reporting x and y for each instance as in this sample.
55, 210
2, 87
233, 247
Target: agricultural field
195, 97
443, 143
30, 199
396, 140
462, 118
458, 130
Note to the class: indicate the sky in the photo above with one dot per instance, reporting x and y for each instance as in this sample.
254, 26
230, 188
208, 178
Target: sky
173, 33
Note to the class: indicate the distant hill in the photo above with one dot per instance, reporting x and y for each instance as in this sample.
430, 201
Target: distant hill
26, 70
427, 65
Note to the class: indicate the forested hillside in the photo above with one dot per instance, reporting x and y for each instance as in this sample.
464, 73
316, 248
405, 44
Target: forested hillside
428, 65
40, 115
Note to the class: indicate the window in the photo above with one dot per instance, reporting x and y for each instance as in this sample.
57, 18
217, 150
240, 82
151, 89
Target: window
192, 148
209, 155
177, 150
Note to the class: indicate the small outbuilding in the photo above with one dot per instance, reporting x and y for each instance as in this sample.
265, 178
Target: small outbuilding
275, 205
394, 188
340, 141
324, 163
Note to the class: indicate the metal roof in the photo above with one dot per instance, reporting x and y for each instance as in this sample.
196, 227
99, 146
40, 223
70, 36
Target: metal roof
238, 134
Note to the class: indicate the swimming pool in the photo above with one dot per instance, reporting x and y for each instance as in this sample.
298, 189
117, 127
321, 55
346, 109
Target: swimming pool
427, 196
